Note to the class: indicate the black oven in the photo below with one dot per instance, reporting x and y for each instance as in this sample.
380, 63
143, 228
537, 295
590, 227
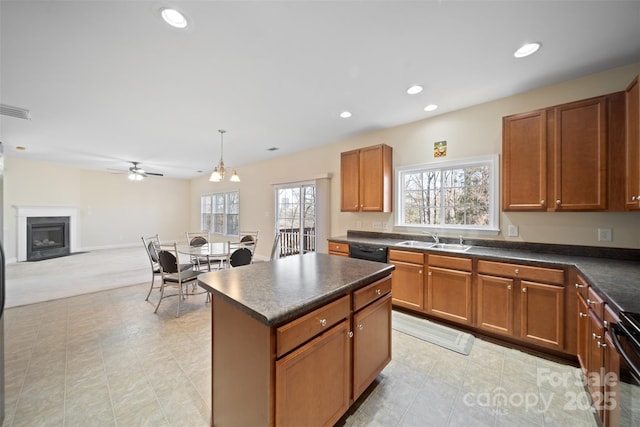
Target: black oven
626, 338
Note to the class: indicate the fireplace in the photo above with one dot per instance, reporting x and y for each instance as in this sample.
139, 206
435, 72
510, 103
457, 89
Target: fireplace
24, 212
47, 237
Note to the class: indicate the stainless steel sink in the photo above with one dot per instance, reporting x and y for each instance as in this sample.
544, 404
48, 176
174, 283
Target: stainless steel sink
416, 244
449, 247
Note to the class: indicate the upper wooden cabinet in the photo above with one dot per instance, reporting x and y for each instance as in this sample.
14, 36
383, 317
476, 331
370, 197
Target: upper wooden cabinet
524, 160
366, 179
563, 158
632, 146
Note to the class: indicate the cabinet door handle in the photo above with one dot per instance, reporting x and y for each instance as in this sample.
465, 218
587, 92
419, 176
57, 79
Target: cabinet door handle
634, 198
509, 287
360, 326
601, 344
524, 289
596, 337
350, 334
323, 322
578, 286
420, 272
378, 291
589, 302
582, 315
558, 202
429, 273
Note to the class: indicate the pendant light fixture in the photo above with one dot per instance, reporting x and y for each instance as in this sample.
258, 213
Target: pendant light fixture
218, 172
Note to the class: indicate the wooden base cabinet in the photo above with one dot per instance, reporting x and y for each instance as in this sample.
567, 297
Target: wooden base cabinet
408, 279
449, 288
371, 343
514, 300
313, 382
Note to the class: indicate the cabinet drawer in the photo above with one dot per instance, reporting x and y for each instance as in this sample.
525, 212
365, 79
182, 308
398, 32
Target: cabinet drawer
595, 303
406, 256
339, 247
299, 331
450, 262
582, 286
548, 275
370, 293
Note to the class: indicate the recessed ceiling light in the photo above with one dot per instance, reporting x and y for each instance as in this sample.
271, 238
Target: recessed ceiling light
345, 114
414, 89
526, 50
431, 107
174, 18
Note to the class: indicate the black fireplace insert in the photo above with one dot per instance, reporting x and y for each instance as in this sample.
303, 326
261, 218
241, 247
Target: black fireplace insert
47, 237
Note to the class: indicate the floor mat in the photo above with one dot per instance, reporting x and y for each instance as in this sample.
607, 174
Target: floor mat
434, 333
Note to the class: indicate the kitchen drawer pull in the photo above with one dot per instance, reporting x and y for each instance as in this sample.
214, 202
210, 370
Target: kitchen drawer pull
360, 326
589, 302
323, 322
578, 286
596, 337
378, 291
509, 287
583, 315
601, 344
542, 202
524, 289
517, 271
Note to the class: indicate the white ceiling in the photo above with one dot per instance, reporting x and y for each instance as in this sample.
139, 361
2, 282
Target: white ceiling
109, 82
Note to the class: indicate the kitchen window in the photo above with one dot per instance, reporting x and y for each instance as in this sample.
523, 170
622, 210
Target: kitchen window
460, 195
220, 213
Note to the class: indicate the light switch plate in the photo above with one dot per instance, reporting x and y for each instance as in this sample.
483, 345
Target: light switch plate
512, 231
604, 234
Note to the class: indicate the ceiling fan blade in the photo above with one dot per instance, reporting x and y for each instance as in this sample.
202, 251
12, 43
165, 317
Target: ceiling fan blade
154, 174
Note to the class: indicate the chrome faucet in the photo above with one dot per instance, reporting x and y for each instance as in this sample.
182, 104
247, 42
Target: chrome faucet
435, 236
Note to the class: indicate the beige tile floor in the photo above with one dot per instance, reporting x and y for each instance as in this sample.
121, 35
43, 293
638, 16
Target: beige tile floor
105, 359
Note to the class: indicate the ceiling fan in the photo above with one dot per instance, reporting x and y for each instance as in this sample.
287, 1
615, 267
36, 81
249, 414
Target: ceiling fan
136, 173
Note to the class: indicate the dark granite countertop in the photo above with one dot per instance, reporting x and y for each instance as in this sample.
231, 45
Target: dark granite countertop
277, 291
617, 279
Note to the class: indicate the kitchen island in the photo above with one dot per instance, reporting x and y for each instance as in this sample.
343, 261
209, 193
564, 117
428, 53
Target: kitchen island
295, 341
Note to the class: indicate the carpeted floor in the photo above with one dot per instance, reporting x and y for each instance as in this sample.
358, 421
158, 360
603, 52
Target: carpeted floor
77, 274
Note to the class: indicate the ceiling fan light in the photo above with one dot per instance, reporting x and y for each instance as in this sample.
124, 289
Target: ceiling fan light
134, 176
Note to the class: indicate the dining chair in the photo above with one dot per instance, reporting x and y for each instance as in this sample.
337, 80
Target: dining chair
196, 239
149, 246
275, 248
172, 275
238, 255
250, 240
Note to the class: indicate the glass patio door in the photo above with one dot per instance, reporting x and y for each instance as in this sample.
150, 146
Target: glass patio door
296, 218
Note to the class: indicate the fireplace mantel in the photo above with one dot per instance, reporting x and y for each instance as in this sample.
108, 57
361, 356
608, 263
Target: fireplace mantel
23, 212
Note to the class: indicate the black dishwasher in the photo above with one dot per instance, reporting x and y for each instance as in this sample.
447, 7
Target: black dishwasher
368, 252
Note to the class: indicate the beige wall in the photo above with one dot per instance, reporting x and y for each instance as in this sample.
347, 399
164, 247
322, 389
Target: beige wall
116, 212
470, 132
112, 211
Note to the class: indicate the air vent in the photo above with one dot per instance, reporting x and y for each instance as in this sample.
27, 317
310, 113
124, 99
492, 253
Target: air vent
19, 113
273, 149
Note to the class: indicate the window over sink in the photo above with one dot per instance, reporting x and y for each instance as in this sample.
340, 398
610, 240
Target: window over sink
460, 194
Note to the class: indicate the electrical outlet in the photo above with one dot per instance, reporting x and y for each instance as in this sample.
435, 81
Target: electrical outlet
512, 231
376, 224
385, 226
604, 235
358, 224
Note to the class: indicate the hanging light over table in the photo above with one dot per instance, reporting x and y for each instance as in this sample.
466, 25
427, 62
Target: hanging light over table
218, 172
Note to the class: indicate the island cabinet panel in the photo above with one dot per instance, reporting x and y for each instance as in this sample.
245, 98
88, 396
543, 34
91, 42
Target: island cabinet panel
371, 343
582, 337
632, 146
495, 304
313, 382
542, 314
408, 287
295, 333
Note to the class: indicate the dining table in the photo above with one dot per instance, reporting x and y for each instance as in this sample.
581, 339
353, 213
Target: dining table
213, 251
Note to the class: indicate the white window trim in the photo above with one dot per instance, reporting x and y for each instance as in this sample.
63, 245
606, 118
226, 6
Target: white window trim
225, 213
494, 190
